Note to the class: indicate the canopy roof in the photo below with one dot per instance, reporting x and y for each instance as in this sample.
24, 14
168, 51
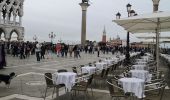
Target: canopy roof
152, 37
146, 22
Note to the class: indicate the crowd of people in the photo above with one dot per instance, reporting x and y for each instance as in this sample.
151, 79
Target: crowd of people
45, 50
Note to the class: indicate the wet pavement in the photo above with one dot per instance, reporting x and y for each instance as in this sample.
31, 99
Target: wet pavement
30, 83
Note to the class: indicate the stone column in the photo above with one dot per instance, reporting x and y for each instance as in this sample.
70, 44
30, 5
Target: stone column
20, 21
155, 5
0, 16
155, 9
14, 19
84, 7
7, 18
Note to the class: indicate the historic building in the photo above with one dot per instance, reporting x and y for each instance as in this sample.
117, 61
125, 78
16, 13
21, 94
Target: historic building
11, 13
104, 36
115, 42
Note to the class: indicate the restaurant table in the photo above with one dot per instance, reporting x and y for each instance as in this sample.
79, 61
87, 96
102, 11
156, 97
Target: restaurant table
133, 85
109, 61
66, 78
101, 65
139, 67
89, 69
141, 60
141, 63
147, 58
142, 74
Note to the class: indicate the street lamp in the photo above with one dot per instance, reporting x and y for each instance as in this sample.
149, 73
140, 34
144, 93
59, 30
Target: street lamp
35, 38
155, 5
60, 40
52, 36
118, 15
128, 6
130, 13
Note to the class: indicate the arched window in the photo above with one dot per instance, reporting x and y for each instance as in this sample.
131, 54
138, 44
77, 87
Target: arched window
14, 35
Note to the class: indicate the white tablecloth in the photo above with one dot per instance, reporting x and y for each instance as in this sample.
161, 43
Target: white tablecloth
89, 69
101, 65
139, 67
142, 74
141, 63
109, 61
133, 85
141, 60
147, 58
67, 78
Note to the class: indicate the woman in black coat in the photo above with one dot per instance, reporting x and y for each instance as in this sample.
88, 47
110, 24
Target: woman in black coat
2, 56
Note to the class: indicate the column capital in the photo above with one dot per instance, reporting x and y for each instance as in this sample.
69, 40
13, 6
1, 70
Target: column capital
84, 6
156, 2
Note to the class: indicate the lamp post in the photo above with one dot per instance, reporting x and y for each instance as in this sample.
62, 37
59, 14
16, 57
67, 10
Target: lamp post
130, 13
52, 36
155, 5
60, 41
156, 55
35, 38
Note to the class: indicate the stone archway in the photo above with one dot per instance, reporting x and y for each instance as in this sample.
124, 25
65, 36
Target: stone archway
2, 34
14, 35
11, 13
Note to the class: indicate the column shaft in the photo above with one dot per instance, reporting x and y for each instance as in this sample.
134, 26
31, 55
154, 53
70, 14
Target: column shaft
83, 28
20, 21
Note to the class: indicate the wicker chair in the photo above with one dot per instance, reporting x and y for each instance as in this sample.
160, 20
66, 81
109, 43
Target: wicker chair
50, 84
99, 78
115, 90
155, 91
83, 85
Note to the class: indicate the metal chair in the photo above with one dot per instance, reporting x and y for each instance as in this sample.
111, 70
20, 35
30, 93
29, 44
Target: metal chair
83, 85
155, 91
50, 84
62, 70
115, 90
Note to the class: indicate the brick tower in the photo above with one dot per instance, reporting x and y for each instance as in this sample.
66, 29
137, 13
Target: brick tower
104, 35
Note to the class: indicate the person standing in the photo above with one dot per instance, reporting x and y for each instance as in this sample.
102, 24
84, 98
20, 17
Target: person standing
42, 51
37, 51
70, 50
2, 55
98, 51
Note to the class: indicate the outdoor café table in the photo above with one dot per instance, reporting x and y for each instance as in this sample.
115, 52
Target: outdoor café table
89, 69
109, 61
139, 67
141, 60
146, 58
141, 63
66, 78
141, 74
133, 85
101, 65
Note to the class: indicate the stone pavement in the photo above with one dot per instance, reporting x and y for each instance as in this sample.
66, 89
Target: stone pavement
30, 83
30, 80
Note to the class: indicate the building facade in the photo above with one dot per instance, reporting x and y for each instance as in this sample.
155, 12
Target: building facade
11, 13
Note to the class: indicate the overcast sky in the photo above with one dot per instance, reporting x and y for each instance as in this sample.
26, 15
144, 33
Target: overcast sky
63, 17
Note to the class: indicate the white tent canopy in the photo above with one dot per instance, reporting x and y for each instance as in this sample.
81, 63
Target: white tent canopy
146, 22
153, 22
